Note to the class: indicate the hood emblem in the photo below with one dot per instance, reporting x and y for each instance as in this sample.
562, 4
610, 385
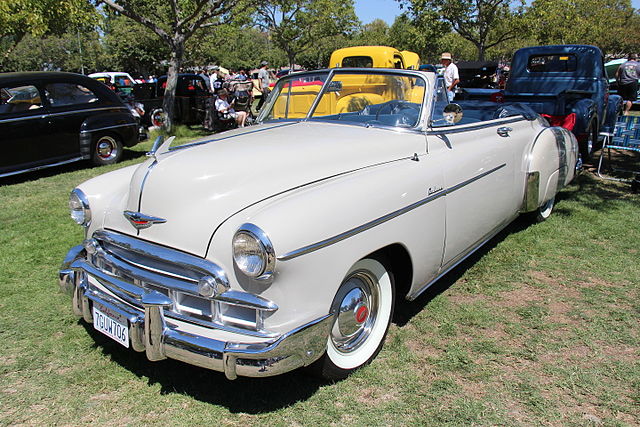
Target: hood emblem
141, 221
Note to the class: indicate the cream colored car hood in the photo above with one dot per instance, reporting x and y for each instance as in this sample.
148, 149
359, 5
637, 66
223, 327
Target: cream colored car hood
196, 189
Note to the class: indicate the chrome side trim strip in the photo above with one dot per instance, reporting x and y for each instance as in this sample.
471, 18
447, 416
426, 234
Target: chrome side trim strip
474, 179
36, 168
350, 233
88, 110
18, 119
466, 128
108, 127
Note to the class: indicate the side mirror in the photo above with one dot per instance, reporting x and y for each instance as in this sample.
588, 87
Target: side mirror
452, 113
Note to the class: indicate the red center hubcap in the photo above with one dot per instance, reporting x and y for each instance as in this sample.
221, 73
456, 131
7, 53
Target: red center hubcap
361, 314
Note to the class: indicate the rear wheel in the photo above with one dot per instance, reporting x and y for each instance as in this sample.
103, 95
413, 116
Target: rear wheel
588, 146
106, 149
362, 307
545, 210
157, 117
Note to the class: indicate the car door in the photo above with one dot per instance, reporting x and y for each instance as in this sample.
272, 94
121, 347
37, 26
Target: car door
479, 179
23, 125
69, 105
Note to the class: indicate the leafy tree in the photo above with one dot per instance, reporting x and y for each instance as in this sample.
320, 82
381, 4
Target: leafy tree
613, 25
485, 23
131, 47
175, 22
75, 51
422, 35
297, 25
39, 18
375, 33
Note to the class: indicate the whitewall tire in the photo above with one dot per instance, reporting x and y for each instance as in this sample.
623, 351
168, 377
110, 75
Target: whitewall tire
362, 307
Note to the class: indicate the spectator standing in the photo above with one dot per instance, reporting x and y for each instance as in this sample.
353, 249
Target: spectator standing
263, 83
213, 76
451, 75
219, 82
205, 77
627, 77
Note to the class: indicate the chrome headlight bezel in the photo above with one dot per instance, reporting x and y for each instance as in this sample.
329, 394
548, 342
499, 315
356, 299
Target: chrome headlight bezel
79, 205
264, 248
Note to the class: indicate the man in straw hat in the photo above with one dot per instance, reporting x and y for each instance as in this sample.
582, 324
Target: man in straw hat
451, 75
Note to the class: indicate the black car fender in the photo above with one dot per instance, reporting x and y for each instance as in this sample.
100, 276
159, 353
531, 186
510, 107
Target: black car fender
119, 122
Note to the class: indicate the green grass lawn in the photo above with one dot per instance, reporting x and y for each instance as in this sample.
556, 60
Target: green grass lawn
541, 327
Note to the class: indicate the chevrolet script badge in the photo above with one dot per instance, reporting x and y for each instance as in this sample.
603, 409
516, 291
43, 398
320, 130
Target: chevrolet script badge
141, 221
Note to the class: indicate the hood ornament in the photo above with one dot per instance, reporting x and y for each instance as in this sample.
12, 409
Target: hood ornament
141, 221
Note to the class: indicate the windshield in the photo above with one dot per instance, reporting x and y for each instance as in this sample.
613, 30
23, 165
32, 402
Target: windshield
372, 98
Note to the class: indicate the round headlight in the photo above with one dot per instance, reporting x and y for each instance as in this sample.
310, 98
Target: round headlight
253, 252
79, 207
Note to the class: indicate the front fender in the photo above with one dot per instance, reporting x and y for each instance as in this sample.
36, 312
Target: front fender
305, 283
105, 192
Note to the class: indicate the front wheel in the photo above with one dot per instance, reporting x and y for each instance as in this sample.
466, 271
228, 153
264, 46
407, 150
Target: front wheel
362, 309
106, 149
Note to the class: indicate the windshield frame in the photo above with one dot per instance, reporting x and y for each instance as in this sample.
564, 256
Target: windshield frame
331, 73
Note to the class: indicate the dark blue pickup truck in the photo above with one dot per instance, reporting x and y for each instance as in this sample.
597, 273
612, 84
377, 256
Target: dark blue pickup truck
568, 85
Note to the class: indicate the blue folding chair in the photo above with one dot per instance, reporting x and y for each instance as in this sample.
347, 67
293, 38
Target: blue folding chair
626, 136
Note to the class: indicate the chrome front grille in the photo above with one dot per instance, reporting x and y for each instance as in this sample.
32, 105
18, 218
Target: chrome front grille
127, 266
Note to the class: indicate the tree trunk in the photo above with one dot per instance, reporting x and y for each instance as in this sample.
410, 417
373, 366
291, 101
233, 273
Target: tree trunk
4, 57
168, 103
481, 51
291, 56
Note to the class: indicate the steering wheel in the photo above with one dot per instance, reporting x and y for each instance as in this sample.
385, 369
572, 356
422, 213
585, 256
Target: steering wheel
396, 106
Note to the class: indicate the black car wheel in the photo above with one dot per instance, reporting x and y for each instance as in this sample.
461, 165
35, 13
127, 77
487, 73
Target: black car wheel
106, 149
157, 117
589, 145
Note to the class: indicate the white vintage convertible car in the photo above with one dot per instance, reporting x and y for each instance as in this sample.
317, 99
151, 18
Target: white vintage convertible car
288, 243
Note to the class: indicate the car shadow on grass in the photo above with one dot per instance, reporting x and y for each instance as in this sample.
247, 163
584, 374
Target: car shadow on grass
406, 310
243, 395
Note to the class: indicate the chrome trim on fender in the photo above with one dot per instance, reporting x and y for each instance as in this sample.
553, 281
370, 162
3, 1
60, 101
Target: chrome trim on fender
109, 127
531, 192
466, 128
18, 119
37, 168
357, 230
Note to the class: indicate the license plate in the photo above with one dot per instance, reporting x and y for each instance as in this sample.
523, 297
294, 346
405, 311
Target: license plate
111, 324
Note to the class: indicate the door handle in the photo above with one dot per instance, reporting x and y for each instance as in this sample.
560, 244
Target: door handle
504, 131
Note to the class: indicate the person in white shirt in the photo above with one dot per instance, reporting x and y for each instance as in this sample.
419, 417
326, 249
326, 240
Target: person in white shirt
225, 109
451, 75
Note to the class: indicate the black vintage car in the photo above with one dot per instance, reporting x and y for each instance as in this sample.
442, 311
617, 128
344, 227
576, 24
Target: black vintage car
191, 98
52, 118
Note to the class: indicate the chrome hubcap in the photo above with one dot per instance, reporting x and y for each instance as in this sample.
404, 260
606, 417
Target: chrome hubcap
356, 313
106, 148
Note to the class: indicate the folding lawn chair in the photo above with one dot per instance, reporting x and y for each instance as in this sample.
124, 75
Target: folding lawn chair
626, 136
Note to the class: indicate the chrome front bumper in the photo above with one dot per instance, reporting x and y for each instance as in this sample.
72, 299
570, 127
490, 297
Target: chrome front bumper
149, 331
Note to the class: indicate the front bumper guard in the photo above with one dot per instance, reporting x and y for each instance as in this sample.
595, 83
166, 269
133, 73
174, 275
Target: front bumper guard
149, 332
